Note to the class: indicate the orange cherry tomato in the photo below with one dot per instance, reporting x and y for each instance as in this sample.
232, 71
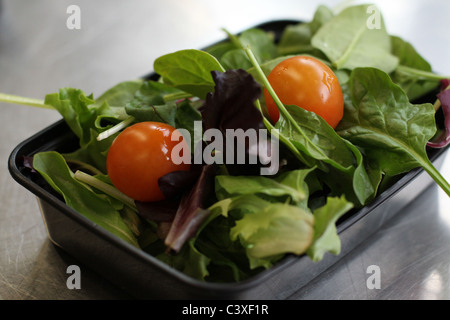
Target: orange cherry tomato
307, 83
140, 155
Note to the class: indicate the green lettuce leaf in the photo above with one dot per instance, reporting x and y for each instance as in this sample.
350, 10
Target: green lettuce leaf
98, 209
87, 118
189, 261
291, 184
326, 238
277, 229
73, 105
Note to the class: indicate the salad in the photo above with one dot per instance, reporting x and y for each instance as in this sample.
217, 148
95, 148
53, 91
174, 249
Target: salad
325, 117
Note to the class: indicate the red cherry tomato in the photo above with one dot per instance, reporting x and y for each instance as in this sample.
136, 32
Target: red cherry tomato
307, 83
140, 155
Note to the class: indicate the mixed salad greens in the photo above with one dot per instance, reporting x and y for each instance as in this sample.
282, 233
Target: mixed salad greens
227, 222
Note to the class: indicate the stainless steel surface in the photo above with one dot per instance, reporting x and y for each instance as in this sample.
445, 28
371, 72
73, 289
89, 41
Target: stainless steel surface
119, 40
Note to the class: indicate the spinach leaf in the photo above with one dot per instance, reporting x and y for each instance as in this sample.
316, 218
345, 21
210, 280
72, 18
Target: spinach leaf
120, 94
52, 166
261, 43
392, 131
349, 43
313, 136
113, 102
414, 73
188, 70
148, 104
235, 59
345, 171
296, 38
219, 49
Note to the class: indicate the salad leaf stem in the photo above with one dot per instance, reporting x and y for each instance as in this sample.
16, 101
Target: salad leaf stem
233, 39
106, 188
282, 138
121, 125
84, 165
176, 96
437, 177
269, 88
10, 98
421, 73
437, 104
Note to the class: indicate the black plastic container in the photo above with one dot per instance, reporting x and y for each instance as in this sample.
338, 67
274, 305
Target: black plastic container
144, 276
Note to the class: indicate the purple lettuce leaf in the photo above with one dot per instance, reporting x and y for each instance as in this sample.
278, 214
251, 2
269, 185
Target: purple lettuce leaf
192, 210
232, 106
159, 211
443, 139
174, 184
